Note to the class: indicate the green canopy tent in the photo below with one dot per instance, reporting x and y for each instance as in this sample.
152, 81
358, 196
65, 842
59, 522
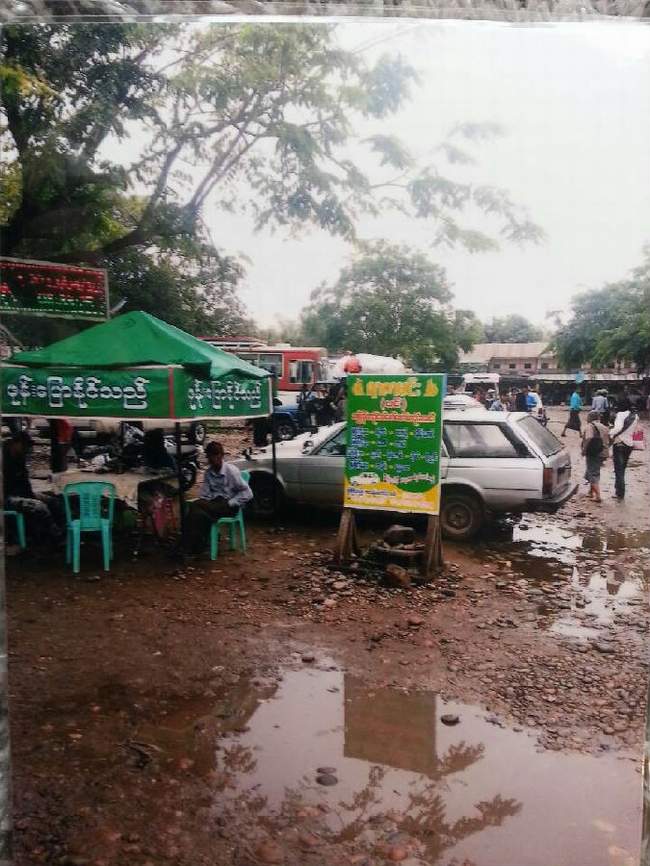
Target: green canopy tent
133, 368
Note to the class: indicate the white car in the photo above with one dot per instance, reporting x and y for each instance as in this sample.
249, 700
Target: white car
491, 462
461, 401
366, 478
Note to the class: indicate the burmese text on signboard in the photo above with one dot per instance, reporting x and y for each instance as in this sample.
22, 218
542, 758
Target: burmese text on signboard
394, 442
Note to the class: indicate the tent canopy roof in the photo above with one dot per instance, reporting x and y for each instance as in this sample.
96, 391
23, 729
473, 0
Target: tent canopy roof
138, 339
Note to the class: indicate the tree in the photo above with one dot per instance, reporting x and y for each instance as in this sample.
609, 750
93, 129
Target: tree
248, 117
609, 324
286, 331
512, 329
243, 116
391, 301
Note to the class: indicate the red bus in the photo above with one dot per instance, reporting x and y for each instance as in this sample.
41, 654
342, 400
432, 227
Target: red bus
293, 366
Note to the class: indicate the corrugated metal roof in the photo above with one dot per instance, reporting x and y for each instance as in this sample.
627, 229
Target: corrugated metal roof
483, 353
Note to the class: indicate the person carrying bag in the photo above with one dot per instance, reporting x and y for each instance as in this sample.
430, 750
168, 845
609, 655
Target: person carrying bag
622, 439
595, 447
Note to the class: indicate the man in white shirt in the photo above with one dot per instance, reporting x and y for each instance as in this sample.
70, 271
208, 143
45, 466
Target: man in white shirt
625, 424
222, 493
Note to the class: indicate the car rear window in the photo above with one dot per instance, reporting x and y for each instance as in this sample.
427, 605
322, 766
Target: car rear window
478, 440
546, 441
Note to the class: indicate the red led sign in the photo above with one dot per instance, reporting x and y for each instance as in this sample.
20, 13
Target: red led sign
48, 289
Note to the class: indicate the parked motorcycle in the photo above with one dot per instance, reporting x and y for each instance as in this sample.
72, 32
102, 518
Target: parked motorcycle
152, 449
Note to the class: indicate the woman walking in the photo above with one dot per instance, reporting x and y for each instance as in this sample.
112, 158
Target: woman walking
575, 405
595, 446
621, 434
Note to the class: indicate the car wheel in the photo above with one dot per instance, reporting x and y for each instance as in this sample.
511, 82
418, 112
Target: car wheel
197, 433
461, 515
268, 496
285, 429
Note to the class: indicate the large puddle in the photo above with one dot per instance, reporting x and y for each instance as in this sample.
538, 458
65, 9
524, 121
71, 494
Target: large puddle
407, 787
597, 573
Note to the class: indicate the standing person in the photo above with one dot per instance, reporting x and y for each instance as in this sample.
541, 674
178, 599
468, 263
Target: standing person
609, 405
521, 400
155, 453
625, 424
532, 399
599, 403
61, 434
222, 493
595, 445
325, 409
575, 405
496, 405
341, 403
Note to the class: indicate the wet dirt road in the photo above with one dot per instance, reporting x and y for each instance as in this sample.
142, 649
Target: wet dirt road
270, 709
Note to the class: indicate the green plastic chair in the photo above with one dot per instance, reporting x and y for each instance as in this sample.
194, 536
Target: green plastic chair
91, 495
20, 527
234, 524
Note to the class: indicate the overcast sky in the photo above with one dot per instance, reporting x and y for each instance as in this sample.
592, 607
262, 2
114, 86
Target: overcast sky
574, 100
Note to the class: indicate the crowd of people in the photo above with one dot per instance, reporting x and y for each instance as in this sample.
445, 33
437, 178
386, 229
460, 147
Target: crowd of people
323, 405
525, 399
612, 424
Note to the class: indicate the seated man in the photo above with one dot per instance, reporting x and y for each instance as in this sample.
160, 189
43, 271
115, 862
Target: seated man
42, 512
222, 493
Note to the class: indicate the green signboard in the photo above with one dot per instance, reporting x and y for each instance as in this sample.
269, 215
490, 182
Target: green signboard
130, 393
228, 397
394, 441
49, 289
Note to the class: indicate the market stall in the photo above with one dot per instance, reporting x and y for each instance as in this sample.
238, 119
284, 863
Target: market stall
134, 368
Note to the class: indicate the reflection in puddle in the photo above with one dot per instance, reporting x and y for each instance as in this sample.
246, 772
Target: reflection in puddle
549, 537
595, 601
185, 733
590, 587
468, 793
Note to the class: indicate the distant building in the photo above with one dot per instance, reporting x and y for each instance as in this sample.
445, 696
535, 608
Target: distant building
536, 361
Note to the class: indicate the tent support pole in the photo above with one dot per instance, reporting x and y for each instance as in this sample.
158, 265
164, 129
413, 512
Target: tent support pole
274, 461
5, 756
179, 473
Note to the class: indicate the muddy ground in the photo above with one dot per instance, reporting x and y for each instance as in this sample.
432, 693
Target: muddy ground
268, 708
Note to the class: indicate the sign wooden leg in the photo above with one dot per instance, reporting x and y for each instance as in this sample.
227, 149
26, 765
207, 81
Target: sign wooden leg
346, 541
432, 554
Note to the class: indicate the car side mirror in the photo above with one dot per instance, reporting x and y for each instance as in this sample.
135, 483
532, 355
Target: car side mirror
307, 446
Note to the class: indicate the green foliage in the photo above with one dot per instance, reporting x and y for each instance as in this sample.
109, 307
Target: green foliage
245, 117
264, 113
512, 329
391, 301
609, 324
286, 331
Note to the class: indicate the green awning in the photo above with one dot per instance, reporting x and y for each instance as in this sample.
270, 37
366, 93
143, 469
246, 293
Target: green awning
134, 340
134, 367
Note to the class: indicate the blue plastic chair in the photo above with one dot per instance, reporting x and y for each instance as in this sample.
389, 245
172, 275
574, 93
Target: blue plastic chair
20, 527
91, 496
234, 524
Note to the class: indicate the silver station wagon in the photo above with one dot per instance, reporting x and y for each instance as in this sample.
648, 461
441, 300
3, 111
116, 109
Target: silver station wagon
492, 462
